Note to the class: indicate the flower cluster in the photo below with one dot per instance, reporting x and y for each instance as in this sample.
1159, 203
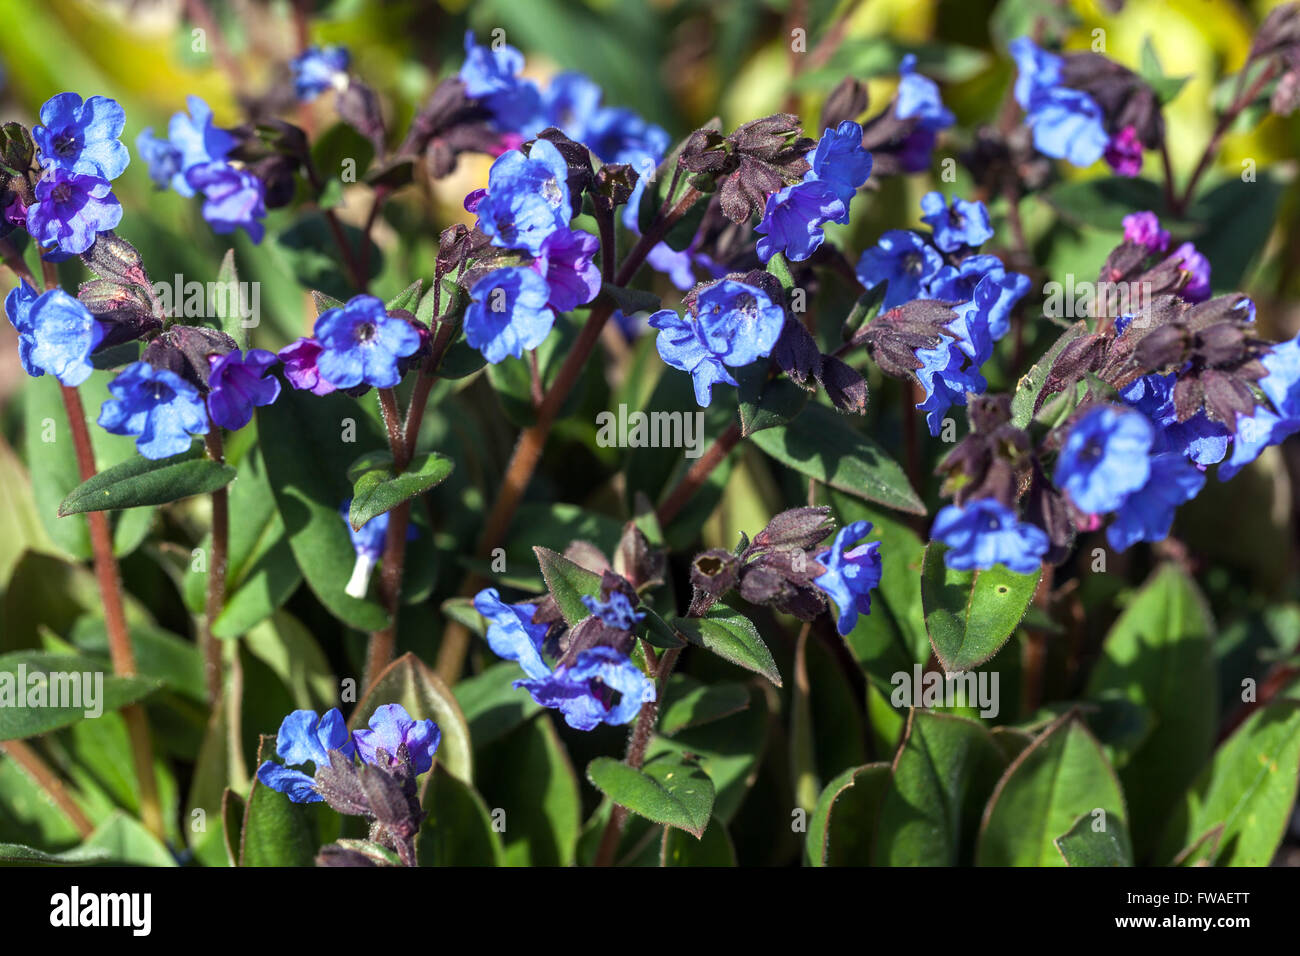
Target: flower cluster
945, 350
79, 154
1083, 107
594, 680
196, 157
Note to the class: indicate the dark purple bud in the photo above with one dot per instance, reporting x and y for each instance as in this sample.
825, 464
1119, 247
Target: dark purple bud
847, 101
186, 349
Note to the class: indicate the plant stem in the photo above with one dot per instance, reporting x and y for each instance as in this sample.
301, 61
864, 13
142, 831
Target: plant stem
528, 449
646, 719
216, 602
120, 649
44, 777
1220, 130
698, 474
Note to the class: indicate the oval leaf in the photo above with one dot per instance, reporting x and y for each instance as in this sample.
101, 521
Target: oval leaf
667, 790
378, 490
140, 481
971, 614
731, 636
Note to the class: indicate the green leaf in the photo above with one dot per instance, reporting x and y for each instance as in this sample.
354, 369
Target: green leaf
226, 301
410, 682
1061, 777
731, 636
1248, 788
126, 841
378, 489
568, 584
666, 790
302, 437
713, 848
689, 703
1103, 203
1031, 383
15, 854
492, 707
1159, 656
276, 831
407, 300
942, 776
1084, 845
843, 822
1166, 87
26, 673
141, 481
459, 828
768, 403
824, 446
527, 775
971, 614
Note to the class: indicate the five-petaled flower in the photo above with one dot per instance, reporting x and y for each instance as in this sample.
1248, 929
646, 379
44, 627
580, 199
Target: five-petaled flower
508, 313
238, 384
361, 343
305, 738
852, 571
1105, 458
82, 137
56, 333
158, 406
986, 532
71, 209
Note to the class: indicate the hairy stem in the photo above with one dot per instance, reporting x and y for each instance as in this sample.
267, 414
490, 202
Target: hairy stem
120, 649
218, 559
698, 474
646, 719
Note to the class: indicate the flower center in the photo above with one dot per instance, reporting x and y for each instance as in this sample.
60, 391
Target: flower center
65, 144
162, 392
61, 192
912, 264
366, 332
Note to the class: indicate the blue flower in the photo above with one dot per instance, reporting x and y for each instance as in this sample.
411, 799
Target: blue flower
998, 290
680, 267
492, 76
918, 96
945, 379
618, 135
851, 573
566, 263
56, 333
360, 342
1281, 385
616, 611
238, 384
735, 324
508, 314
1067, 124
527, 198
82, 137
71, 209
1200, 438
602, 685
316, 69
198, 140
489, 70
571, 104
986, 532
232, 198
1037, 71
163, 158
1105, 458
391, 727
1147, 513
158, 406
511, 632
794, 215
305, 738
903, 259
963, 223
